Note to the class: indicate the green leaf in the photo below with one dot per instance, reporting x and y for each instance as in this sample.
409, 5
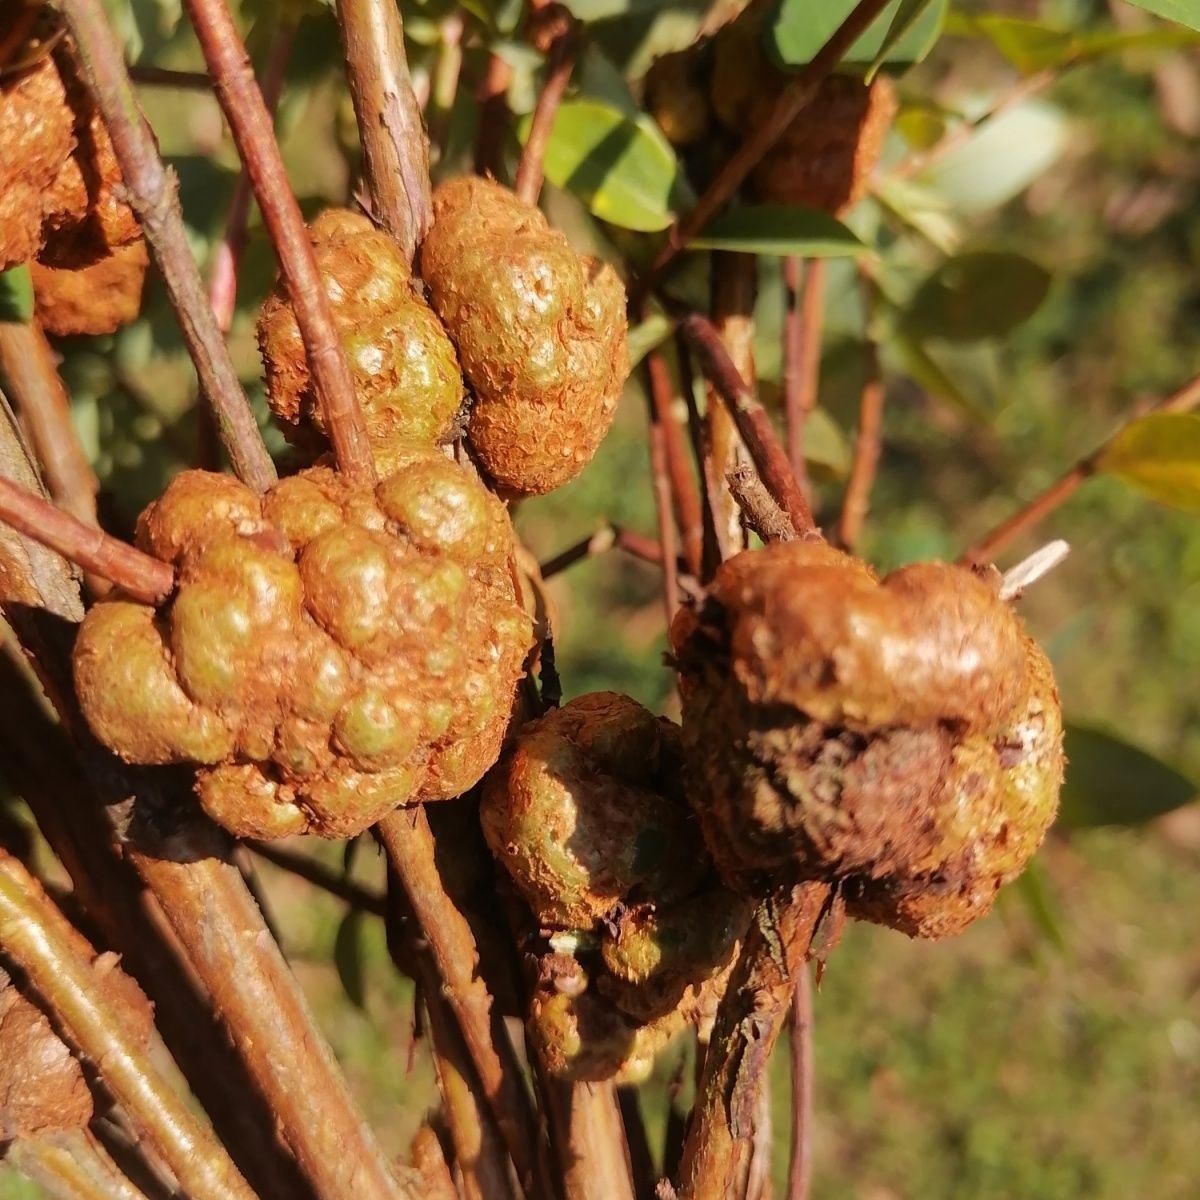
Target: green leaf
348, 958
648, 334
588, 11
922, 209
624, 170
1000, 160
799, 28
16, 295
1160, 456
1186, 12
826, 444
1040, 902
907, 15
1110, 782
779, 230
1028, 45
983, 294
930, 375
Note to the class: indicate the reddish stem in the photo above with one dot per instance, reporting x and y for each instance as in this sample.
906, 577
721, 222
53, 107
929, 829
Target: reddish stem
752, 421
321, 877
253, 131
151, 76
607, 537
1042, 505
868, 440
800, 1168
802, 353
798, 92
660, 478
490, 96
153, 194
560, 62
142, 577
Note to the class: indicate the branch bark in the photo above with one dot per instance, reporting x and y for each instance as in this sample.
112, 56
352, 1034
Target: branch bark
802, 354
72, 1166
560, 62
241, 101
154, 196
685, 497
800, 1166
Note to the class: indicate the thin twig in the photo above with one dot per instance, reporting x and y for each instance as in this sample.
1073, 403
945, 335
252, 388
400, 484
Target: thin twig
753, 423
661, 483
36, 389
762, 514
698, 436
802, 354
491, 102
868, 439
408, 841
153, 194
607, 537
227, 258
429, 1161
756, 1003
685, 497
798, 92
320, 876
142, 577
560, 62
800, 1167
395, 148
59, 967
147, 75
1041, 506
71, 1166
253, 132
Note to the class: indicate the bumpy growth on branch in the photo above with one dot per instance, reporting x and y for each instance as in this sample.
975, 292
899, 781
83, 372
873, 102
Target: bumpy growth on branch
902, 738
330, 652
405, 372
98, 298
586, 814
540, 331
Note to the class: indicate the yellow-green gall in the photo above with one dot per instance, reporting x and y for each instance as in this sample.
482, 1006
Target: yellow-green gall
98, 298
540, 331
405, 372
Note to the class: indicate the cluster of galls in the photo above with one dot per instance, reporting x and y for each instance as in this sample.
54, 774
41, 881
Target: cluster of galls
586, 813
901, 739
537, 331
61, 209
825, 156
330, 651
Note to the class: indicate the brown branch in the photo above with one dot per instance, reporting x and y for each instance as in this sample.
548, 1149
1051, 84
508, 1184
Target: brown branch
142, 577
802, 354
607, 537
796, 94
408, 841
59, 967
150, 76
153, 194
491, 99
71, 1166
661, 484
560, 62
710, 555
395, 147
227, 259
36, 389
753, 424
1024, 88
429, 1161
762, 514
320, 876
757, 1000
1041, 506
684, 495
253, 132
588, 1124
869, 437
800, 1167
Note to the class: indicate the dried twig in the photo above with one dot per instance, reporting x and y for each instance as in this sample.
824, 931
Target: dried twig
661, 481
802, 353
867, 441
798, 92
1041, 506
72, 1166
1029, 570
762, 514
253, 131
587, 1121
154, 196
607, 537
36, 389
685, 497
560, 62
800, 1167
58, 964
320, 876
408, 840
147, 75
752, 421
395, 148
756, 1003
144, 578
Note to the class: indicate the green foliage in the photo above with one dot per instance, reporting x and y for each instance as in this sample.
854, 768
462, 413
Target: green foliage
779, 230
1160, 456
16, 295
1186, 12
902, 35
348, 958
1110, 782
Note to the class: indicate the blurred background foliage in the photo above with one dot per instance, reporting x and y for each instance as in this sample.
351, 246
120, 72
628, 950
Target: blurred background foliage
1038, 285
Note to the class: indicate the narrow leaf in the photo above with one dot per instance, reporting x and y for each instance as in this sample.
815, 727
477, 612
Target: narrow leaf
905, 18
648, 334
348, 958
624, 170
1042, 905
799, 28
1160, 456
1110, 782
1186, 12
16, 295
780, 230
